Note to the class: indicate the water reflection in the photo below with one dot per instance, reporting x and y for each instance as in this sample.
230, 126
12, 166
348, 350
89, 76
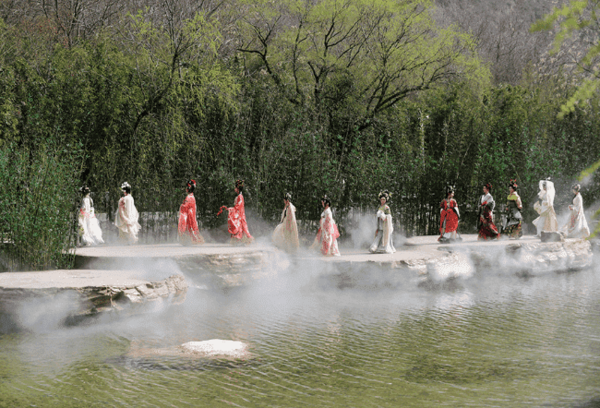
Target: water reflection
485, 341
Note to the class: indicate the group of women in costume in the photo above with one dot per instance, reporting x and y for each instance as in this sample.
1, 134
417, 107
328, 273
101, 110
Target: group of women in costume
285, 235
576, 226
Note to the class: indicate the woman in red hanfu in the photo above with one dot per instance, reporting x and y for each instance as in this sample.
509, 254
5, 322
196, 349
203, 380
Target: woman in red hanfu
449, 215
485, 223
236, 218
188, 225
328, 231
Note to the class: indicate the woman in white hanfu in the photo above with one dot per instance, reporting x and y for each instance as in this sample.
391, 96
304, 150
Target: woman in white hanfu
127, 217
577, 226
383, 242
89, 227
285, 235
328, 231
545, 208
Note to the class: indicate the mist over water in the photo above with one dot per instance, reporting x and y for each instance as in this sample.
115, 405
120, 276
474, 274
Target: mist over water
488, 339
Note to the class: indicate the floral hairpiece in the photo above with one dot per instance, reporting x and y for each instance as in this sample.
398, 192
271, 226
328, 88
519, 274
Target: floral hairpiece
385, 194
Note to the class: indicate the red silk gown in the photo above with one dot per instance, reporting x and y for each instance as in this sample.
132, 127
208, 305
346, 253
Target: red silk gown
188, 225
236, 221
448, 217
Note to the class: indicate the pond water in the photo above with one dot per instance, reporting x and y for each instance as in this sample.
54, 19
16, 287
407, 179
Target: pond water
491, 340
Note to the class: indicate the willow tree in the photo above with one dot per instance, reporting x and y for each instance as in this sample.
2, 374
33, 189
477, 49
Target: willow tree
370, 53
347, 62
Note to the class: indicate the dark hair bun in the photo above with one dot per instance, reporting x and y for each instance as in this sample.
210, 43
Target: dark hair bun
191, 185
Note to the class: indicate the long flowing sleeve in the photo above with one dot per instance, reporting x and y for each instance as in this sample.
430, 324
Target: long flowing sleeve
285, 235
238, 204
328, 234
132, 212
578, 204
233, 218
455, 208
122, 220
184, 214
236, 220
188, 224
87, 207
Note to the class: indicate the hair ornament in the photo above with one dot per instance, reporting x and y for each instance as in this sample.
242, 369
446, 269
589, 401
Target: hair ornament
125, 185
385, 194
239, 183
513, 184
84, 189
488, 186
287, 196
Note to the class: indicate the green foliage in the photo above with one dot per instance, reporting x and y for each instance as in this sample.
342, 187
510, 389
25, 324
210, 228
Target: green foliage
576, 16
364, 56
339, 97
38, 203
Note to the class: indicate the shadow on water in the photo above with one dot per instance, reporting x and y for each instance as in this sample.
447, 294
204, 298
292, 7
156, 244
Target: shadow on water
593, 403
180, 364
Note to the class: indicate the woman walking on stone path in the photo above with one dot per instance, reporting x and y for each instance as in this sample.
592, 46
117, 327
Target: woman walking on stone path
285, 235
513, 207
127, 217
188, 224
545, 208
576, 226
236, 218
89, 227
449, 216
486, 227
328, 231
383, 242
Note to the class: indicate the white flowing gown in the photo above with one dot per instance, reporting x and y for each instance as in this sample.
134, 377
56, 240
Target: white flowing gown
577, 226
126, 220
89, 227
383, 242
285, 235
547, 220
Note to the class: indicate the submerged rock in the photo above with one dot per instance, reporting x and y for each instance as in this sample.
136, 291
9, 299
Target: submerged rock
216, 347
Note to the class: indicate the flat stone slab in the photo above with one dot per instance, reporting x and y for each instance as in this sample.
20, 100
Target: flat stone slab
63, 296
525, 256
167, 250
70, 279
222, 265
214, 265
428, 261
467, 239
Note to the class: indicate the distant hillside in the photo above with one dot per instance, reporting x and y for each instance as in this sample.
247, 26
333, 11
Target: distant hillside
502, 30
